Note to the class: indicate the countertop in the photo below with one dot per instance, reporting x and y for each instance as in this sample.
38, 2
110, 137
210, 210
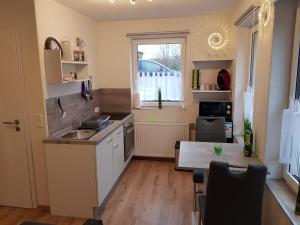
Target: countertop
96, 139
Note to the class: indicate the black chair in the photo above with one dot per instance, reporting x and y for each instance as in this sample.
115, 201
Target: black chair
233, 198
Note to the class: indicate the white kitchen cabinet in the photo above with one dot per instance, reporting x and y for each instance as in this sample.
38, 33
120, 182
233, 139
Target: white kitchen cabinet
104, 163
118, 152
81, 176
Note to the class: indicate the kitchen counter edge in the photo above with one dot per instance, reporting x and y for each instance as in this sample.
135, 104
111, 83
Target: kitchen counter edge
96, 139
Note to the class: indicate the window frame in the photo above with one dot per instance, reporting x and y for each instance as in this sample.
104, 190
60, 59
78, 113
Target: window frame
134, 65
295, 78
252, 66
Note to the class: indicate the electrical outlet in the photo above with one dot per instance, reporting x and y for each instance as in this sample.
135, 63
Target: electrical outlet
96, 109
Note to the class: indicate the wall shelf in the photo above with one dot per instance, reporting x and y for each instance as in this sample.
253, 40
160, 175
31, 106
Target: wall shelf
74, 62
73, 81
213, 60
211, 91
56, 68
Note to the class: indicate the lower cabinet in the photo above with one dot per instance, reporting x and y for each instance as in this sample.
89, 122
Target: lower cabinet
80, 177
104, 164
110, 162
118, 153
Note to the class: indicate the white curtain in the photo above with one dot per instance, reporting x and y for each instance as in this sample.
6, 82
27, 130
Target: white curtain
248, 104
290, 137
171, 85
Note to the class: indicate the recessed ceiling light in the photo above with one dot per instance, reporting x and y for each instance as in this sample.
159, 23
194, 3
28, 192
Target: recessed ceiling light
132, 2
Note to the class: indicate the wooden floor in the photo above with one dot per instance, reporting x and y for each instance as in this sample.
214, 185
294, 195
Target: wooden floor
149, 193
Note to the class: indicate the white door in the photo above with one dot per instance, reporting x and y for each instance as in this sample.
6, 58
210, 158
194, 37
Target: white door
118, 152
104, 160
14, 171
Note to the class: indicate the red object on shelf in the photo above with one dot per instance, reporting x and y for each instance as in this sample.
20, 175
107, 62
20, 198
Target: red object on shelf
224, 80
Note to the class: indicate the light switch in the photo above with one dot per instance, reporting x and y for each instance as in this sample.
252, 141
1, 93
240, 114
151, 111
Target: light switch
96, 109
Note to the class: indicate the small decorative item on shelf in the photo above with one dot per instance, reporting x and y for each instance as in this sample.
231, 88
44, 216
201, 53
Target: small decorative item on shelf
223, 80
66, 47
218, 149
159, 99
248, 138
196, 80
79, 56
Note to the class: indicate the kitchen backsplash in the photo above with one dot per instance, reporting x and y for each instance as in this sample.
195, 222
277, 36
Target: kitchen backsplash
78, 109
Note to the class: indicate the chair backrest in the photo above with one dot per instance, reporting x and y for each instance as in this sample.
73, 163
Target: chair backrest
210, 129
234, 198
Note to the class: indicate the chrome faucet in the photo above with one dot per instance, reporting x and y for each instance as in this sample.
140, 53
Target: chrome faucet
76, 124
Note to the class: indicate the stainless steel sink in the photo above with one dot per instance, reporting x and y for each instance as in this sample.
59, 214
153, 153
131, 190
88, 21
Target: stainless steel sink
79, 134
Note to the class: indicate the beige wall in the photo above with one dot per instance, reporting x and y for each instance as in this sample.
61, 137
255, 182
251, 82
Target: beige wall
58, 21
114, 55
20, 16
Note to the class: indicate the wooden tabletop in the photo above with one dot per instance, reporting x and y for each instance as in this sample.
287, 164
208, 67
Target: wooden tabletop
196, 155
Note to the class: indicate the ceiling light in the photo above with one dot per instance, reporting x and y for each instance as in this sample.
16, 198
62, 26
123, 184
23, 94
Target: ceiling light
132, 2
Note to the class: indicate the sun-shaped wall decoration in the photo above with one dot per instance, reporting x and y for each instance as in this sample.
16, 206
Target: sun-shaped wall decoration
216, 41
212, 37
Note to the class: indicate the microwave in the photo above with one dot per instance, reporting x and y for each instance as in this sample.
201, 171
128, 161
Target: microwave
215, 109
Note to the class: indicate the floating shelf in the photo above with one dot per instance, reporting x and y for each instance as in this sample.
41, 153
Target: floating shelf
74, 62
56, 68
211, 91
212, 60
73, 81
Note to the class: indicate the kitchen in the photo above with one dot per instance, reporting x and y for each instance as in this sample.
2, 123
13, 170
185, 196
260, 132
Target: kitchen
92, 134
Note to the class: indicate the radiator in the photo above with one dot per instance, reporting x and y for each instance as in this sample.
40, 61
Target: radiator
158, 139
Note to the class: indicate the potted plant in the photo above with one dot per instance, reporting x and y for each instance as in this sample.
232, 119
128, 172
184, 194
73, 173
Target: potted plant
159, 98
248, 138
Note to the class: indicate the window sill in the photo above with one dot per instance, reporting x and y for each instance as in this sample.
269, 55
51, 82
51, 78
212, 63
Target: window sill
164, 108
285, 197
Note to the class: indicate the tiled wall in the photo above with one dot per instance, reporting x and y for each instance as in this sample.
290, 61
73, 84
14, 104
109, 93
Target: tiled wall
78, 109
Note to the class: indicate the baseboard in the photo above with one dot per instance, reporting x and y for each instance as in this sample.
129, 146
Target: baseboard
151, 158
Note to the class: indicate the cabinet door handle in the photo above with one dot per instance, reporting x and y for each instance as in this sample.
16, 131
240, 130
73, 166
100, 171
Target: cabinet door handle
116, 146
109, 141
119, 132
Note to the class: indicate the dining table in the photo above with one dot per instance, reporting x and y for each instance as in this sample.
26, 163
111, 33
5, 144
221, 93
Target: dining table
198, 155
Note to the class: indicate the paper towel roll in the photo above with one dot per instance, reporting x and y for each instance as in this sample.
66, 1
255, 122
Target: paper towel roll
136, 101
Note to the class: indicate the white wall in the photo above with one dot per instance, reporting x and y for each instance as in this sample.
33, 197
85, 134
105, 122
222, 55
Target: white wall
58, 21
114, 55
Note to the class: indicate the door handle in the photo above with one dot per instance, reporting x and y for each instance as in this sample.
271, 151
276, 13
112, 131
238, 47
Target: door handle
16, 122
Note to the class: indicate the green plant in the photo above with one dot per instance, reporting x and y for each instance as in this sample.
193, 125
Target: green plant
159, 98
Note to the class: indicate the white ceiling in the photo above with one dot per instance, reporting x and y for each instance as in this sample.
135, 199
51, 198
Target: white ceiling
143, 9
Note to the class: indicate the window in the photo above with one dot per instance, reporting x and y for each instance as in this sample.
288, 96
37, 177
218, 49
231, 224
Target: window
249, 94
297, 94
291, 171
159, 64
253, 58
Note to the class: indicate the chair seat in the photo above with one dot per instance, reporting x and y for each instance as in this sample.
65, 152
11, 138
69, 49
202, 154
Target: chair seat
198, 176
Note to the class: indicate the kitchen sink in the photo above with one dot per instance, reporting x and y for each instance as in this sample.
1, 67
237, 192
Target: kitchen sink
79, 134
